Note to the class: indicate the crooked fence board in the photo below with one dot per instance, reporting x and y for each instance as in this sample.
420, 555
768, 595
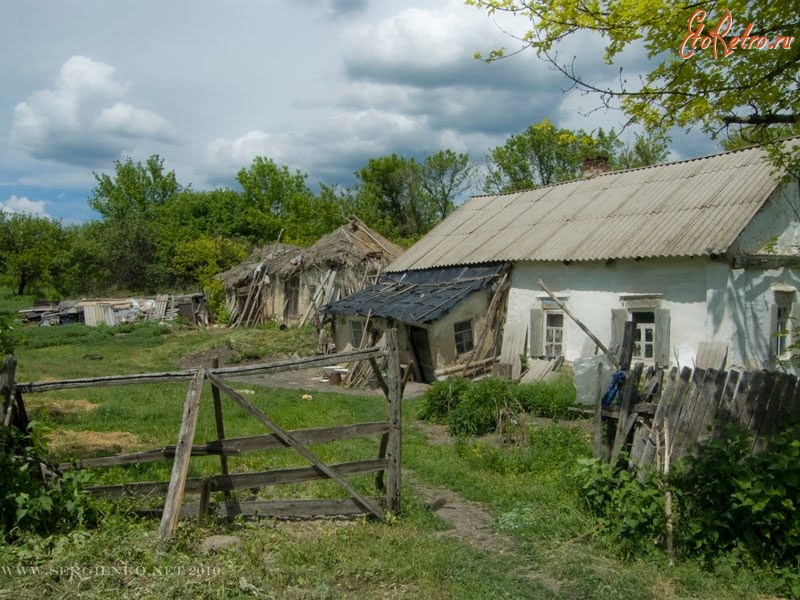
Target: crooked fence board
240, 481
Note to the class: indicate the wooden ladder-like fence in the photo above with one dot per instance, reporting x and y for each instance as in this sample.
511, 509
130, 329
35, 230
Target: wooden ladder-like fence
387, 461
691, 406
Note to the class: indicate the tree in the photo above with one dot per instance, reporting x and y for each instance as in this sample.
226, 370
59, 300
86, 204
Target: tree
647, 149
711, 67
393, 184
30, 246
446, 176
128, 204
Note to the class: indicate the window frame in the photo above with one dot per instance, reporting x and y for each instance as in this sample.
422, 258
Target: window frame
467, 344
781, 333
640, 337
546, 328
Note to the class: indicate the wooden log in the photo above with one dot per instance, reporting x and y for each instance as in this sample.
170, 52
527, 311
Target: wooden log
300, 448
240, 481
394, 443
245, 370
475, 364
579, 323
180, 467
295, 508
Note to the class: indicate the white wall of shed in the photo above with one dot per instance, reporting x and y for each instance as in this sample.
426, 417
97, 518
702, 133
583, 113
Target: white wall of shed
775, 228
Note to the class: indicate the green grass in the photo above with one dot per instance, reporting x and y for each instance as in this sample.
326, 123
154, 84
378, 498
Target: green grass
528, 490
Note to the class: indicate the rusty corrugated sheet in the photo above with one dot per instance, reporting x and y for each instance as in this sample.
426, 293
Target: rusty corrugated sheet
689, 208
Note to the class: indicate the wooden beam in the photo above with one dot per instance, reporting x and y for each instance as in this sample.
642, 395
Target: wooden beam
261, 369
223, 458
579, 323
236, 446
172, 506
299, 447
394, 444
239, 481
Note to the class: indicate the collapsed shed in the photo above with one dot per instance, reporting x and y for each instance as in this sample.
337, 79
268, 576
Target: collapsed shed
447, 319
290, 285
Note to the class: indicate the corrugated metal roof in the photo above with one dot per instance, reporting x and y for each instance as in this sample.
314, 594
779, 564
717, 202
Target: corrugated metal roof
688, 208
417, 296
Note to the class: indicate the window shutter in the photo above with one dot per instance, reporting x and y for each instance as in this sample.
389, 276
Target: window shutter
536, 347
772, 341
618, 318
662, 345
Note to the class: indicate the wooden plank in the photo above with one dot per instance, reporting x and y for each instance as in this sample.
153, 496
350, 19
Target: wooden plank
6, 391
240, 481
180, 467
623, 429
679, 427
740, 410
294, 508
773, 421
648, 448
639, 410
394, 442
725, 412
711, 355
299, 447
679, 400
760, 401
280, 366
708, 407
237, 446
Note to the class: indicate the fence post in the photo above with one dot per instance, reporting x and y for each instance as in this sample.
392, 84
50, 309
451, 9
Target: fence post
223, 460
395, 421
7, 393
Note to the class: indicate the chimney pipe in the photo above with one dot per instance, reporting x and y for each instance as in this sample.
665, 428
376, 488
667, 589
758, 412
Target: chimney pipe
594, 166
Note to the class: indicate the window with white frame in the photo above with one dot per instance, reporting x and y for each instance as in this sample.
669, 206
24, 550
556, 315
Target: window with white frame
644, 335
553, 333
782, 334
463, 337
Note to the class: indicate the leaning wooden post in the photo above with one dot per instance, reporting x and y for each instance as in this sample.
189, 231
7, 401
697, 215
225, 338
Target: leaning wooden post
395, 421
223, 460
7, 393
183, 452
598, 413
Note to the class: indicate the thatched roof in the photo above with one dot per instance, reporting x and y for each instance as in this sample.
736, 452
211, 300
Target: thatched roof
269, 257
347, 247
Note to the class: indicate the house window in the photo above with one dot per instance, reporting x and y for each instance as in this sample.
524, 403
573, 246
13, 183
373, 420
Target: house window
782, 334
291, 292
463, 334
554, 333
357, 328
644, 336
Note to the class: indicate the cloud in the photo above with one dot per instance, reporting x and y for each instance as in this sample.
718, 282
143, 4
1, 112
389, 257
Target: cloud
24, 205
81, 120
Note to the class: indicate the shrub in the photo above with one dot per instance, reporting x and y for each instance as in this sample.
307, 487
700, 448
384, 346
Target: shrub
441, 398
547, 398
478, 409
26, 503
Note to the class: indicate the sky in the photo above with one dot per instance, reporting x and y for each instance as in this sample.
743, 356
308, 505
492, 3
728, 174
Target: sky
318, 85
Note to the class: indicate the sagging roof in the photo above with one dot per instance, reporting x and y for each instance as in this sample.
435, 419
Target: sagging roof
688, 208
418, 296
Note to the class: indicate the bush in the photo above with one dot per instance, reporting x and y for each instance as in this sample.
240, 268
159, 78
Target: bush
479, 407
547, 398
27, 505
441, 398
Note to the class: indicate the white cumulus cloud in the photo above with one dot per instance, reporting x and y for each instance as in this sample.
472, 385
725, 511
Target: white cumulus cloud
22, 204
82, 119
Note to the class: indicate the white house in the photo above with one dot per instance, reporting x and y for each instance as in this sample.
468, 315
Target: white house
691, 251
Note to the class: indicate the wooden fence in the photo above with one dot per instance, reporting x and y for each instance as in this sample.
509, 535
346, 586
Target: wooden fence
387, 461
676, 410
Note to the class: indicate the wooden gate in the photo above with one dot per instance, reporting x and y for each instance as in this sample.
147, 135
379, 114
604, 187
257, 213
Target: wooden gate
387, 461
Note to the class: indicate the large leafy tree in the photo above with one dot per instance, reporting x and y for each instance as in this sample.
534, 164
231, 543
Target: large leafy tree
128, 204
30, 247
446, 176
709, 68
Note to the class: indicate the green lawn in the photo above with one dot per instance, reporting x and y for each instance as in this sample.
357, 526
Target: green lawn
408, 558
